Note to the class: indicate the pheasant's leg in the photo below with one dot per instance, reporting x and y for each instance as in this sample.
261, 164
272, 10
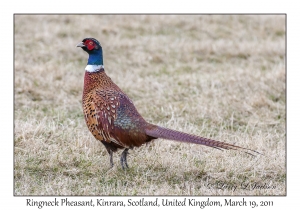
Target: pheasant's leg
124, 158
111, 158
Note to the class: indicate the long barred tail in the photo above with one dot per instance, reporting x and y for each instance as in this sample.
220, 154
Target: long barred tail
165, 133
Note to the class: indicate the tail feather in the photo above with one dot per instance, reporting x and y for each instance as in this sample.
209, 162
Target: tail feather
165, 133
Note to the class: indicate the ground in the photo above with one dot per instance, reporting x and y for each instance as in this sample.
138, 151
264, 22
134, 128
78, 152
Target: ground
216, 76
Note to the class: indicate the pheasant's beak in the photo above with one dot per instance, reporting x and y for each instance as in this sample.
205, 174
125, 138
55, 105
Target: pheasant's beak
80, 45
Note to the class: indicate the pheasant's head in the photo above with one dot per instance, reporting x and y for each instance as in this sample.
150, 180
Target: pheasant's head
93, 48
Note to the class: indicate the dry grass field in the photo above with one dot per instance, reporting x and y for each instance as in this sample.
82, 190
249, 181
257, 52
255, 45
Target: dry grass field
216, 76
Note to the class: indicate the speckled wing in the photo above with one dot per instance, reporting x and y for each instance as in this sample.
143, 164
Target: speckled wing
106, 102
100, 113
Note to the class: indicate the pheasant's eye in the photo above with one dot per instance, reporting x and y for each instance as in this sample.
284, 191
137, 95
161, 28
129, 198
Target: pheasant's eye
90, 43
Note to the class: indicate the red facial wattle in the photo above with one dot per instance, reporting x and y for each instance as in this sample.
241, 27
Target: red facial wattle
89, 44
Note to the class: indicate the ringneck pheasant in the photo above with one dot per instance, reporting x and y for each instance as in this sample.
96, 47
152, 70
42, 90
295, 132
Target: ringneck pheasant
112, 117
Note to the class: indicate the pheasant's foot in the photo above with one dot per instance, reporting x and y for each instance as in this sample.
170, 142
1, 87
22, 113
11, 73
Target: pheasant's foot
111, 158
124, 158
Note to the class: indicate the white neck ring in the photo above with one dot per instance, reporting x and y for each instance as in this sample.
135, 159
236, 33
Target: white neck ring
94, 68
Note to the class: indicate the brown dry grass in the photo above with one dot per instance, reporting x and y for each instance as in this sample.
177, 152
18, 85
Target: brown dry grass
216, 76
